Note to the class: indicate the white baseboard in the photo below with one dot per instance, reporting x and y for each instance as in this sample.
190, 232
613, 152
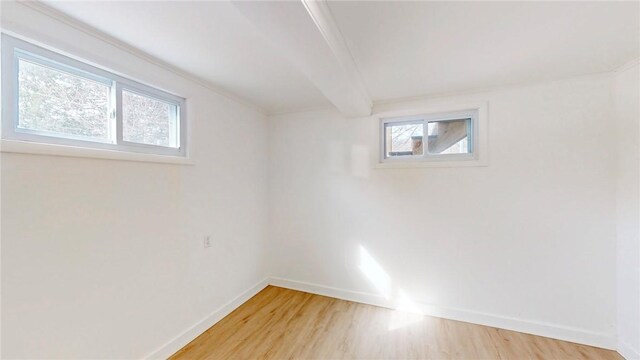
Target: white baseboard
526, 326
194, 331
627, 351
554, 331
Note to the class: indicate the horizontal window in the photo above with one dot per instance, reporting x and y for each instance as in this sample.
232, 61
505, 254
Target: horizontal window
447, 136
51, 98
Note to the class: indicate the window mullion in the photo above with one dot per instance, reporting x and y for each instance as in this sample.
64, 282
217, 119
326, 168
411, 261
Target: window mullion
112, 113
471, 130
425, 139
118, 109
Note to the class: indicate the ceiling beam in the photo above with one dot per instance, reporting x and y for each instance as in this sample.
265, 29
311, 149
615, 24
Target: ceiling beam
307, 35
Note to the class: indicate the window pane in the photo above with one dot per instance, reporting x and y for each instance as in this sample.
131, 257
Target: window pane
62, 104
149, 121
449, 137
403, 139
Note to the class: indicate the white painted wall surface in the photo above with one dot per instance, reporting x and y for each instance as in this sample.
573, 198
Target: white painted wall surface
528, 240
626, 97
105, 258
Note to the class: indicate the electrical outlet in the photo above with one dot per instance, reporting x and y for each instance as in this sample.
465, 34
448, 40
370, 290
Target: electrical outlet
207, 241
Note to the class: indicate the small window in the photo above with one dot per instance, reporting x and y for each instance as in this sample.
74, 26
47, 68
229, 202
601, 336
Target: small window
431, 137
50, 98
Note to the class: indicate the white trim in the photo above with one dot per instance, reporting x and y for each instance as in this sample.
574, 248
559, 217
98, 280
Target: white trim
466, 162
424, 120
480, 129
627, 352
555, 331
14, 49
525, 326
177, 343
36, 148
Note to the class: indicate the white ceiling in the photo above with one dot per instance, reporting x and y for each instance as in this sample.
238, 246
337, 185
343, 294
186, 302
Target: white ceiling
210, 40
406, 49
400, 49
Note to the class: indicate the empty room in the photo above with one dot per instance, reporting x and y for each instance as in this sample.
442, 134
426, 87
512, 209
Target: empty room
313, 179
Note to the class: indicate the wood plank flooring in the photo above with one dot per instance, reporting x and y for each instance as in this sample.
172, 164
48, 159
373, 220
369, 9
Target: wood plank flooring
280, 323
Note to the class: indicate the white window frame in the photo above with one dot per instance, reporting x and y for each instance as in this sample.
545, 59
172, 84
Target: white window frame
14, 49
477, 112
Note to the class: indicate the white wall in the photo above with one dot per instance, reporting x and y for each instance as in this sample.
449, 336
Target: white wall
105, 258
527, 242
626, 96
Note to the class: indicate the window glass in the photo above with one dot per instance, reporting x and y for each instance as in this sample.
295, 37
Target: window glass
449, 136
62, 104
149, 121
403, 139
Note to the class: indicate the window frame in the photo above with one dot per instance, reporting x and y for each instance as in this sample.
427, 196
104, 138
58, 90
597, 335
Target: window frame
14, 49
426, 118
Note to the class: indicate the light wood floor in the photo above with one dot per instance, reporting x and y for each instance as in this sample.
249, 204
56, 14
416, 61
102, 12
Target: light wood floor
279, 323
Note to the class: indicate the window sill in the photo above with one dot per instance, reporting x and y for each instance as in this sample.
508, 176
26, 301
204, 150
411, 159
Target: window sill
26, 147
431, 164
